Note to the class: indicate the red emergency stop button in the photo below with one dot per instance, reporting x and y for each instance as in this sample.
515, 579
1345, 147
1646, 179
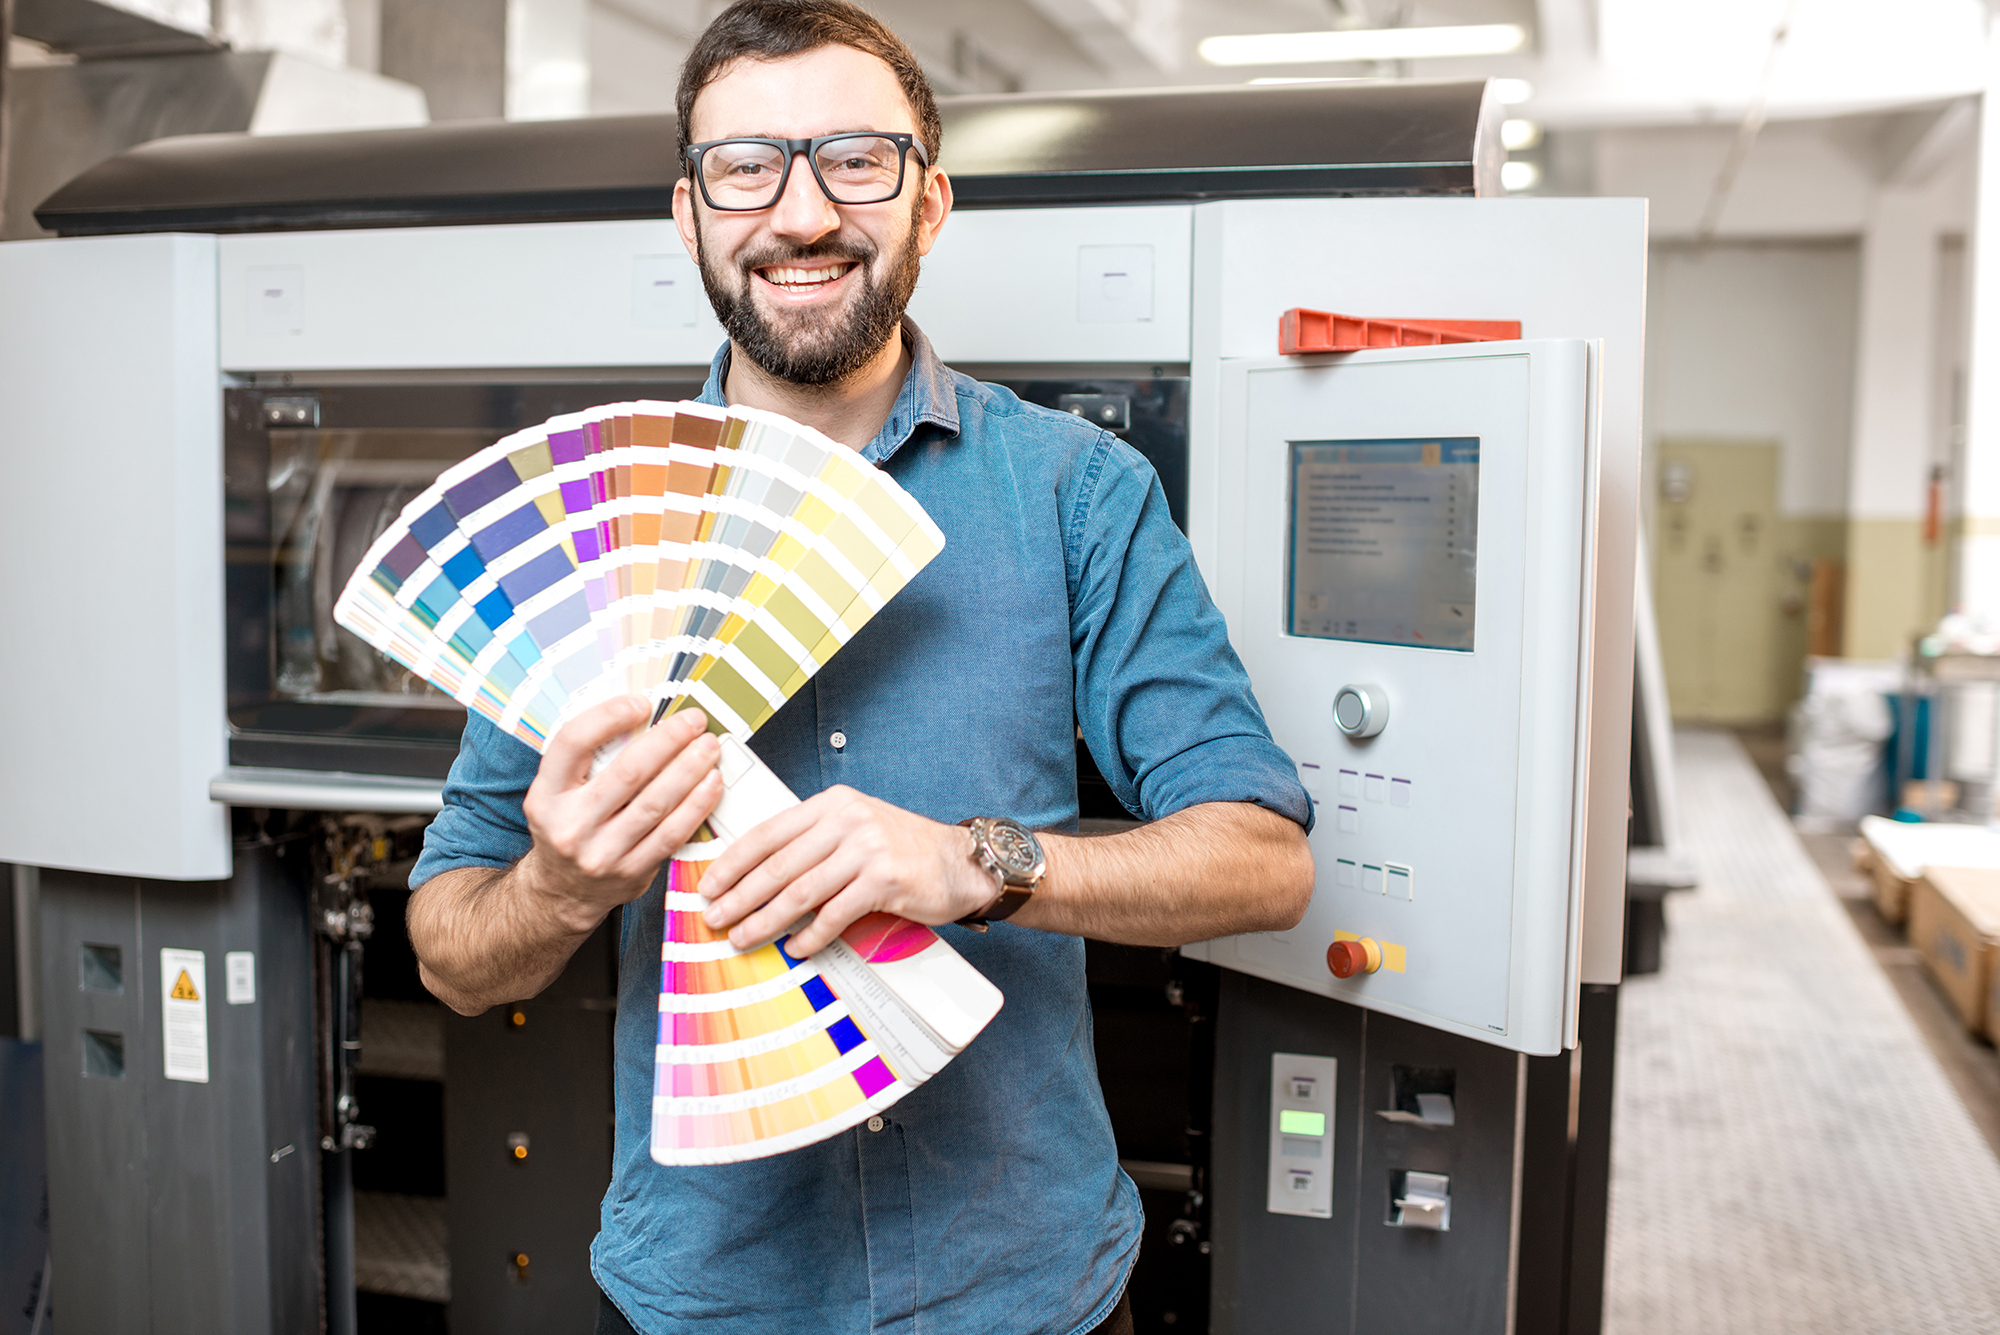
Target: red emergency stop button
1347, 958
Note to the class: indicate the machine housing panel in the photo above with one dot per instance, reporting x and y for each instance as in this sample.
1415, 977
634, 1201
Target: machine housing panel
1451, 838
113, 602
1564, 268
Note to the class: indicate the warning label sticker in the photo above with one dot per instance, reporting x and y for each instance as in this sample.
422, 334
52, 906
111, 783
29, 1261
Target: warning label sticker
184, 1014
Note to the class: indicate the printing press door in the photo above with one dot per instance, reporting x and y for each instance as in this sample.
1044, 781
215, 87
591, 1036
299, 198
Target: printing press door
1406, 556
312, 474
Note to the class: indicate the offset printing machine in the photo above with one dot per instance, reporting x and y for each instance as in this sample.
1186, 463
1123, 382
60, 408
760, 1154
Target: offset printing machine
243, 355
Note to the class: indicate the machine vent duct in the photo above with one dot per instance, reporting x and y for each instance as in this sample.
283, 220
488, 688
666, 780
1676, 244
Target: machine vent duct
1406, 137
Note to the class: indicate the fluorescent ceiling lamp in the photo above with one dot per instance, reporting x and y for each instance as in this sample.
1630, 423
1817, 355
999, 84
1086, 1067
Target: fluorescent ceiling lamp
1519, 134
1273, 80
1511, 92
1355, 44
1519, 176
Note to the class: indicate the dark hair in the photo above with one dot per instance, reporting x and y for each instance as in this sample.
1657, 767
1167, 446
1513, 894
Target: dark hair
773, 29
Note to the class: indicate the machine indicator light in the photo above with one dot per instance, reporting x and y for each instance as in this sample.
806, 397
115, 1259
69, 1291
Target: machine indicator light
1293, 1122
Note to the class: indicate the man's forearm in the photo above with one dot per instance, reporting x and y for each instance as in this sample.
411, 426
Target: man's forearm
481, 939
1212, 870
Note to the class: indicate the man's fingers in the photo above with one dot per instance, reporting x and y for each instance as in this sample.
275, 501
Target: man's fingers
679, 825
839, 912
662, 796
636, 766
566, 759
826, 882
798, 855
749, 852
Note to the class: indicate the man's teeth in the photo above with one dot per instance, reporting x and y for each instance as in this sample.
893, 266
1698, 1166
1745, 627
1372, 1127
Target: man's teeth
803, 277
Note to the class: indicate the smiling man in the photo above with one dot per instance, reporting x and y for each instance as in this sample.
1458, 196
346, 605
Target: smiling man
936, 753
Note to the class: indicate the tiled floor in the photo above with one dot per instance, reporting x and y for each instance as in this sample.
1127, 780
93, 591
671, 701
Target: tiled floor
1789, 1155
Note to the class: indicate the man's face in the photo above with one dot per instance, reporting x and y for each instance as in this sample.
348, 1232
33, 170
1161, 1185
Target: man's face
810, 289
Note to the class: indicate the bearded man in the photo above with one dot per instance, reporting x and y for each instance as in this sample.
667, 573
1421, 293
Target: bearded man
990, 1199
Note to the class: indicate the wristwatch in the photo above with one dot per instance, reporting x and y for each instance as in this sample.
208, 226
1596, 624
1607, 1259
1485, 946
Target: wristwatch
1010, 851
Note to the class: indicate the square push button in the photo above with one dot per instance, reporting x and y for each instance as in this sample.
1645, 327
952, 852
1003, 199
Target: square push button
1402, 882
1349, 820
1376, 787
1399, 792
1313, 777
1346, 873
1350, 783
1371, 879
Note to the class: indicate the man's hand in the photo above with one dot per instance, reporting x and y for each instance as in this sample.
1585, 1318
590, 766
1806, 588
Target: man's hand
483, 936
843, 854
599, 842
1215, 869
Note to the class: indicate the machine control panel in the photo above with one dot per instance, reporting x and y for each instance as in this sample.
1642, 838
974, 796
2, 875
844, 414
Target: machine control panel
1415, 525
1301, 1159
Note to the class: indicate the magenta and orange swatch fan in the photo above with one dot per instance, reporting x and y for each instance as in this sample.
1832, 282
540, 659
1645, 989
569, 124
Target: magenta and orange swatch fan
699, 557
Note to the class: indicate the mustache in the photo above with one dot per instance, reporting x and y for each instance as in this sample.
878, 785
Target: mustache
796, 256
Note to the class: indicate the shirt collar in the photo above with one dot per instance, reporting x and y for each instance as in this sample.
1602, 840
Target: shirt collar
928, 397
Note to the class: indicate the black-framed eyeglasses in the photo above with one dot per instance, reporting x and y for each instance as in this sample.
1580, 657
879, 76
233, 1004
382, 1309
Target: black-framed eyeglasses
742, 175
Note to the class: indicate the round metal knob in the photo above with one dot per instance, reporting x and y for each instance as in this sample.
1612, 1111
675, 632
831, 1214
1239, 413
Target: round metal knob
1347, 958
1360, 711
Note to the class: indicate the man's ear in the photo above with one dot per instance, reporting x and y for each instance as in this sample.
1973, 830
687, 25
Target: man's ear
684, 219
936, 207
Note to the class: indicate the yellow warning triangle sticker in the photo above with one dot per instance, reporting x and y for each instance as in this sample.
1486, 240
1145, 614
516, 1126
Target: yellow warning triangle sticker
184, 988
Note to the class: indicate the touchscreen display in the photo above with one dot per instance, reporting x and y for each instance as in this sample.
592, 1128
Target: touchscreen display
1385, 540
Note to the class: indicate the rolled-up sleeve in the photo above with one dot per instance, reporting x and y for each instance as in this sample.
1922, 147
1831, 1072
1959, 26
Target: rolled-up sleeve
481, 824
1163, 701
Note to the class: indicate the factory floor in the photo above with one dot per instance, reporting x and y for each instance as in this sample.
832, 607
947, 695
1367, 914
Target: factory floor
1803, 1140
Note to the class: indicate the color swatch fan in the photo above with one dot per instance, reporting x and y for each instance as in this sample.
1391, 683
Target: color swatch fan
703, 557
675, 550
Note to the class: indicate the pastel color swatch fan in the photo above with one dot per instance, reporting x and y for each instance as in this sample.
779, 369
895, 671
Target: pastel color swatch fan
697, 557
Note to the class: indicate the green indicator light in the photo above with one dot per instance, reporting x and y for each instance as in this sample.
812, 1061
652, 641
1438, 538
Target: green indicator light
1294, 1123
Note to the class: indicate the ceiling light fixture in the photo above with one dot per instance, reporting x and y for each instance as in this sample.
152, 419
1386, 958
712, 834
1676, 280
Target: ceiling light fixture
1511, 92
1519, 134
1519, 176
1361, 44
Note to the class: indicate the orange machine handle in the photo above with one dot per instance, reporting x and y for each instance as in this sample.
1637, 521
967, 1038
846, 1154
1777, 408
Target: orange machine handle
1301, 331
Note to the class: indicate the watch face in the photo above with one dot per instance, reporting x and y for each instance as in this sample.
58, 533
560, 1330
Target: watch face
1014, 846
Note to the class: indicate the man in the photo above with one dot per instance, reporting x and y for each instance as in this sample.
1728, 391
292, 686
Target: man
990, 1199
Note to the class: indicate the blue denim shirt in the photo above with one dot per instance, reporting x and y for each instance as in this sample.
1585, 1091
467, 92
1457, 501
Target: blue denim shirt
991, 1199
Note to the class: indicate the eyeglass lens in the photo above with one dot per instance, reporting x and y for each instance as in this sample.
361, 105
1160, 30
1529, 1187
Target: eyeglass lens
856, 169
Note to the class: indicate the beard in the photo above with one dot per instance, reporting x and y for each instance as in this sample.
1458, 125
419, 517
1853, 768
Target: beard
817, 347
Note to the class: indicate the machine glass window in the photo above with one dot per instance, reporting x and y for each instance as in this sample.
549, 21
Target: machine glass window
1384, 541
332, 493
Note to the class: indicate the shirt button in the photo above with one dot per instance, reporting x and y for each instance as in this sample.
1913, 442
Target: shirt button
875, 1123
839, 743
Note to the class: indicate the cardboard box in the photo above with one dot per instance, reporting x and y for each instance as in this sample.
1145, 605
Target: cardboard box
1897, 853
1992, 1000
1955, 927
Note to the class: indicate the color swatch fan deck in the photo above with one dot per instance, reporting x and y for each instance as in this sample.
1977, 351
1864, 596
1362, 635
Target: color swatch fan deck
699, 557
761, 1052
688, 553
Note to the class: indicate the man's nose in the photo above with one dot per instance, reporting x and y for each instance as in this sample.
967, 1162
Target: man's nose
803, 213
